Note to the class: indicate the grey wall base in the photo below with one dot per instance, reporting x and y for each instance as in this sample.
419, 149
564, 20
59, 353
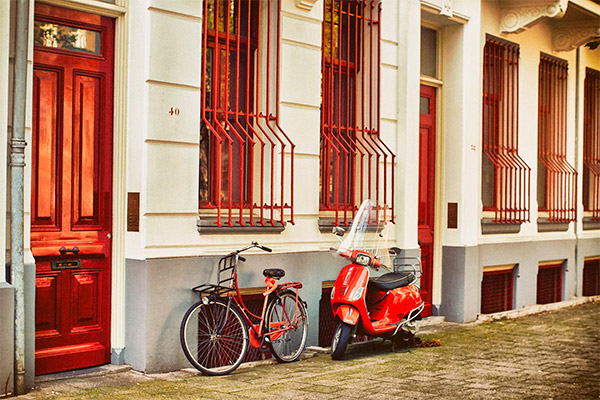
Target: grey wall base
463, 271
7, 334
460, 283
159, 293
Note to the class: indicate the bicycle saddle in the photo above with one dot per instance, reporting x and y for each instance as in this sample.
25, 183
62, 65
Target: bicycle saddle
274, 273
391, 281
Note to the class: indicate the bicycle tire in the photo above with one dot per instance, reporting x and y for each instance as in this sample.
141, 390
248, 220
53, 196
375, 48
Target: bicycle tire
203, 342
289, 346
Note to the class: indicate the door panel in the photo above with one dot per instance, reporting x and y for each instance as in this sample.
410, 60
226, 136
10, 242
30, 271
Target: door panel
426, 223
71, 187
45, 164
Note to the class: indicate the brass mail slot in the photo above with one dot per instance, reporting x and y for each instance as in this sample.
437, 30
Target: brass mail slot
71, 264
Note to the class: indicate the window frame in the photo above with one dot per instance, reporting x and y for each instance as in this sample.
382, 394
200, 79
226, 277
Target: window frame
505, 176
355, 164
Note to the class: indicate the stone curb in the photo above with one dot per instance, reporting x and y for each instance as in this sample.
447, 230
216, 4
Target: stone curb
536, 309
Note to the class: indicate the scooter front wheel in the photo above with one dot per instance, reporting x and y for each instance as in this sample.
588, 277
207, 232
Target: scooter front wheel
341, 338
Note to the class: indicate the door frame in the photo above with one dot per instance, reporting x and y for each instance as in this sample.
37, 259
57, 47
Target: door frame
119, 12
436, 264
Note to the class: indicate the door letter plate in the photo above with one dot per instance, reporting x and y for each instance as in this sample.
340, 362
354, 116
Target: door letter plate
71, 264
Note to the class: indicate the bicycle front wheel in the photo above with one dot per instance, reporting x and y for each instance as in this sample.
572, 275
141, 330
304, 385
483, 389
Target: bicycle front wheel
214, 337
287, 324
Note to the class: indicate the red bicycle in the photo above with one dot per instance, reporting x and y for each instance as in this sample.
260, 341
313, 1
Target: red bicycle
216, 331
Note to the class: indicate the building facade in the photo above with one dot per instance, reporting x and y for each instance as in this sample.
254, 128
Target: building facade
163, 134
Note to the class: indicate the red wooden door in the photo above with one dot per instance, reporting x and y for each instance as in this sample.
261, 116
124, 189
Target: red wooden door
426, 190
71, 187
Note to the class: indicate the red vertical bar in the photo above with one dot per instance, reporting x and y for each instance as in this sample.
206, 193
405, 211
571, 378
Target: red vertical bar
292, 146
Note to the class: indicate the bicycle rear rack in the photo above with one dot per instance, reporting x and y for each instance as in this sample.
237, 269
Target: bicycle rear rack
223, 288
213, 291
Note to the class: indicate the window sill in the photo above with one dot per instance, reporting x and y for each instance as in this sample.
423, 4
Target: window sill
326, 225
545, 225
589, 224
488, 227
207, 226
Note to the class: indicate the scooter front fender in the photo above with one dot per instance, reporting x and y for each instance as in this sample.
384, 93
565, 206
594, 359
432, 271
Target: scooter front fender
348, 314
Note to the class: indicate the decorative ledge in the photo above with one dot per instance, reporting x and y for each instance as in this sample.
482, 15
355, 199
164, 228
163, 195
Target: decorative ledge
545, 225
305, 4
517, 15
569, 36
589, 224
207, 226
488, 226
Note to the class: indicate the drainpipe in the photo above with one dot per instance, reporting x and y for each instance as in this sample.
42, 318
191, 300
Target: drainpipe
17, 164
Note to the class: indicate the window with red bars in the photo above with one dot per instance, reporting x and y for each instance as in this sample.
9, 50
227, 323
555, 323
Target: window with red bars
591, 143
549, 284
355, 162
557, 179
591, 277
246, 159
496, 291
505, 175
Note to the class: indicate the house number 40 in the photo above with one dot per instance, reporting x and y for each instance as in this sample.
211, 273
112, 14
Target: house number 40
174, 111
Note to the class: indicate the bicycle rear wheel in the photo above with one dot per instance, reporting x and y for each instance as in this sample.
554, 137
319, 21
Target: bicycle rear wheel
214, 337
288, 316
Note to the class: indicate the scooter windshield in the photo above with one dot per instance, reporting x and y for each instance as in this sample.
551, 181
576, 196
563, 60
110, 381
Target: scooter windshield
369, 232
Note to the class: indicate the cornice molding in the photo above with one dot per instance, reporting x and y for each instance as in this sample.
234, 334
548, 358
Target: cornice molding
305, 4
566, 37
518, 15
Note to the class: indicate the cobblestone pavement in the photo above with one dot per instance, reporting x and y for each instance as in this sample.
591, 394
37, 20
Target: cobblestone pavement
553, 355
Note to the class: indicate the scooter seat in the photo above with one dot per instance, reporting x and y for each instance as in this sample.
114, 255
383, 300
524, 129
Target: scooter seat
391, 281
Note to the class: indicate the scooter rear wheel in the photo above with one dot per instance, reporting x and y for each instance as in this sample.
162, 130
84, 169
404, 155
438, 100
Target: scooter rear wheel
341, 338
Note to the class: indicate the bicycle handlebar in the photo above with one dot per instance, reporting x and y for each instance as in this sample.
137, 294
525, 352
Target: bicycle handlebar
254, 244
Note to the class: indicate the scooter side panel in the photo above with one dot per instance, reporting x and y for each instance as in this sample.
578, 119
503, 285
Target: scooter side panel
347, 286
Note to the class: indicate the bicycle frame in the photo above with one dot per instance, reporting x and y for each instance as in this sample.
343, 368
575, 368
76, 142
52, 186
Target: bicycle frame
228, 288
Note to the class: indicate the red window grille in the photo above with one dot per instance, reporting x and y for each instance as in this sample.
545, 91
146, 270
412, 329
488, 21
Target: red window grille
246, 159
591, 143
591, 277
355, 163
505, 175
549, 284
496, 291
557, 179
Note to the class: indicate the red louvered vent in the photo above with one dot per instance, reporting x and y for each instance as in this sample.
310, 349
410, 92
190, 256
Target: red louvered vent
549, 284
254, 303
326, 319
591, 278
496, 291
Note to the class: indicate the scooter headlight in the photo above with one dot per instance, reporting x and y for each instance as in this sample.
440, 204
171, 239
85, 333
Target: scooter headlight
358, 293
362, 259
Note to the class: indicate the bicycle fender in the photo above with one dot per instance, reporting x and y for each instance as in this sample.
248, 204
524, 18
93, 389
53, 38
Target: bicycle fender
348, 314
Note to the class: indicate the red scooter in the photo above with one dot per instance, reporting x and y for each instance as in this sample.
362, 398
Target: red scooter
386, 306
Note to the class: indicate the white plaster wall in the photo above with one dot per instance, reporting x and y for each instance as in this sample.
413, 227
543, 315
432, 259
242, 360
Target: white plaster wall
587, 58
532, 41
163, 163
407, 147
137, 120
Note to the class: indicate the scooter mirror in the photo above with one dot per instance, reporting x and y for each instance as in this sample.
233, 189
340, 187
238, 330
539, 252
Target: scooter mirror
338, 231
394, 251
